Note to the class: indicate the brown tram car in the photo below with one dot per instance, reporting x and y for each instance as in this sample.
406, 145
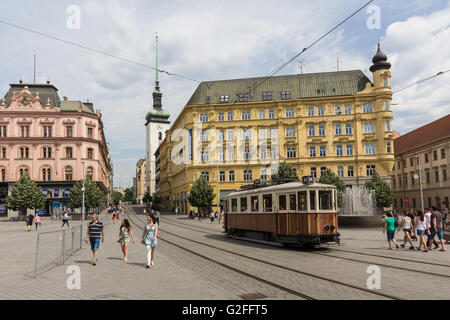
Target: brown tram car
289, 213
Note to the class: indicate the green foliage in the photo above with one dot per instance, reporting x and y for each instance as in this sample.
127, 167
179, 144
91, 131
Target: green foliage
383, 193
156, 198
25, 194
129, 195
93, 196
285, 172
201, 195
116, 197
328, 177
147, 197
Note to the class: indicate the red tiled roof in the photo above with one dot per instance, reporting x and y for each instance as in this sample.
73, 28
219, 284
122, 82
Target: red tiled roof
429, 133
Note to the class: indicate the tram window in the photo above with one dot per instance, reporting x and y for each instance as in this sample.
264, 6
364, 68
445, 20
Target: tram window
325, 202
292, 202
267, 201
244, 204
312, 199
255, 204
302, 201
233, 205
282, 202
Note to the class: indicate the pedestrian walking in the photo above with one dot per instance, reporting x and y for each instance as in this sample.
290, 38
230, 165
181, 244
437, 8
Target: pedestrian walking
94, 234
30, 219
422, 229
114, 217
37, 221
65, 220
157, 214
125, 233
176, 211
211, 216
149, 239
220, 217
413, 216
407, 225
389, 227
200, 215
430, 238
436, 229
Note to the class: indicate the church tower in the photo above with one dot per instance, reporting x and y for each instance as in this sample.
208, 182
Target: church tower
156, 125
380, 70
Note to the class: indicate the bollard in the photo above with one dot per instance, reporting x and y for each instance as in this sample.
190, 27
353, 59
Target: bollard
36, 257
63, 244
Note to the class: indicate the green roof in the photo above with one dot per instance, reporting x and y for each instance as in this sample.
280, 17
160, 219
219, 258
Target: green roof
73, 106
157, 115
309, 85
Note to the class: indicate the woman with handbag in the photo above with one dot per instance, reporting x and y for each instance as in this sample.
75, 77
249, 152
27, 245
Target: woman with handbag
149, 239
125, 233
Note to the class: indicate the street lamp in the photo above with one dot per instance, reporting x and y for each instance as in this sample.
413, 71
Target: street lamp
83, 189
419, 176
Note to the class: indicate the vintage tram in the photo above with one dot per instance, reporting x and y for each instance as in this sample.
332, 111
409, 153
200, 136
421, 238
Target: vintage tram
299, 212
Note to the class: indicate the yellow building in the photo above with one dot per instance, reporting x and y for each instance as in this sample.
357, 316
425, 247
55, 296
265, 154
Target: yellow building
237, 131
140, 180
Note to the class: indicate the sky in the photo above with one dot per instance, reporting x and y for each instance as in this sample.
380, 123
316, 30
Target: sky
213, 40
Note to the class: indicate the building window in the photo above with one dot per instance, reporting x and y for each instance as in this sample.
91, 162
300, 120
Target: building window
322, 151
231, 176
370, 170
262, 153
273, 133
221, 135
3, 175
340, 171
267, 96
290, 132
339, 150
22, 171
411, 161
322, 130
350, 171
24, 153
47, 131
222, 176
311, 131
428, 177
320, 111
314, 172
204, 137
205, 175
350, 150
386, 106
312, 151
348, 128
69, 131
2, 131
245, 115
444, 174
264, 174
243, 97
230, 134
289, 112
90, 133
68, 172
248, 175
47, 152
203, 117
322, 170
368, 127
224, 99
426, 158
435, 155
337, 110
285, 95
221, 116
246, 134
311, 111
46, 174
262, 114
220, 155
291, 152
230, 116
271, 114
25, 131
262, 134
205, 155
367, 108
2, 153
388, 126
348, 109
247, 154
389, 147
442, 153
370, 148
436, 176
338, 130
230, 154
90, 153
273, 153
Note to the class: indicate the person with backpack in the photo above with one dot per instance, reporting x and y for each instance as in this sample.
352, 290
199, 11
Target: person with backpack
125, 233
389, 228
149, 239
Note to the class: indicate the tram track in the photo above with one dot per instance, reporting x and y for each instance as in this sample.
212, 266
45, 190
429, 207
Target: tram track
283, 288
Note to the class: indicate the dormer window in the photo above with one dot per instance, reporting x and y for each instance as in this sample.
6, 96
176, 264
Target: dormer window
243, 97
224, 98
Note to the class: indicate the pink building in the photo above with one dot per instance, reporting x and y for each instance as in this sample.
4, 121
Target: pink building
50, 139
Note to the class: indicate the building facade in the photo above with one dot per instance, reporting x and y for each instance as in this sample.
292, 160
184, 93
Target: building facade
235, 132
140, 181
50, 139
430, 145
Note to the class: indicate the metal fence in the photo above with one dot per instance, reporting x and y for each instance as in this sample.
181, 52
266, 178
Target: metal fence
54, 248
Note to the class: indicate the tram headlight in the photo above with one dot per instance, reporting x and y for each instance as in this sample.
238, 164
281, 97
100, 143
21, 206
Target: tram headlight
327, 228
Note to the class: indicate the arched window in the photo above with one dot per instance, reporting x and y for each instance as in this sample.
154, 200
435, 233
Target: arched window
22, 171
3, 177
46, 174
160, 136
68, 172
90, 173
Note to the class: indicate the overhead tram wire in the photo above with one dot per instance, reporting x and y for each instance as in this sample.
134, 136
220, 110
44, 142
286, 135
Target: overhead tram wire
407, 86
97, 51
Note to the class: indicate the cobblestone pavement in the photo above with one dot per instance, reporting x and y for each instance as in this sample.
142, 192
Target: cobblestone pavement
181, 275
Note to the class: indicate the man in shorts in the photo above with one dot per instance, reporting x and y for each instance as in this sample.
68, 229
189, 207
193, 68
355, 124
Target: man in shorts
94, 234
436, 229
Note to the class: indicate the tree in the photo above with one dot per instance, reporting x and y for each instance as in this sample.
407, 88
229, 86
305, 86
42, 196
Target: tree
285, 172
156, 198
147, 197
129, 195
201, 195
383, 193
25, 194
117, 197
328, 177
93, 194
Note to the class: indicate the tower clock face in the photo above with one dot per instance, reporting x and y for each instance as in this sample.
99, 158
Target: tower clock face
158, 127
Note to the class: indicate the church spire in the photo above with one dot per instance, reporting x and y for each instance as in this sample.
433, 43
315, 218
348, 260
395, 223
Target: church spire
157, 94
